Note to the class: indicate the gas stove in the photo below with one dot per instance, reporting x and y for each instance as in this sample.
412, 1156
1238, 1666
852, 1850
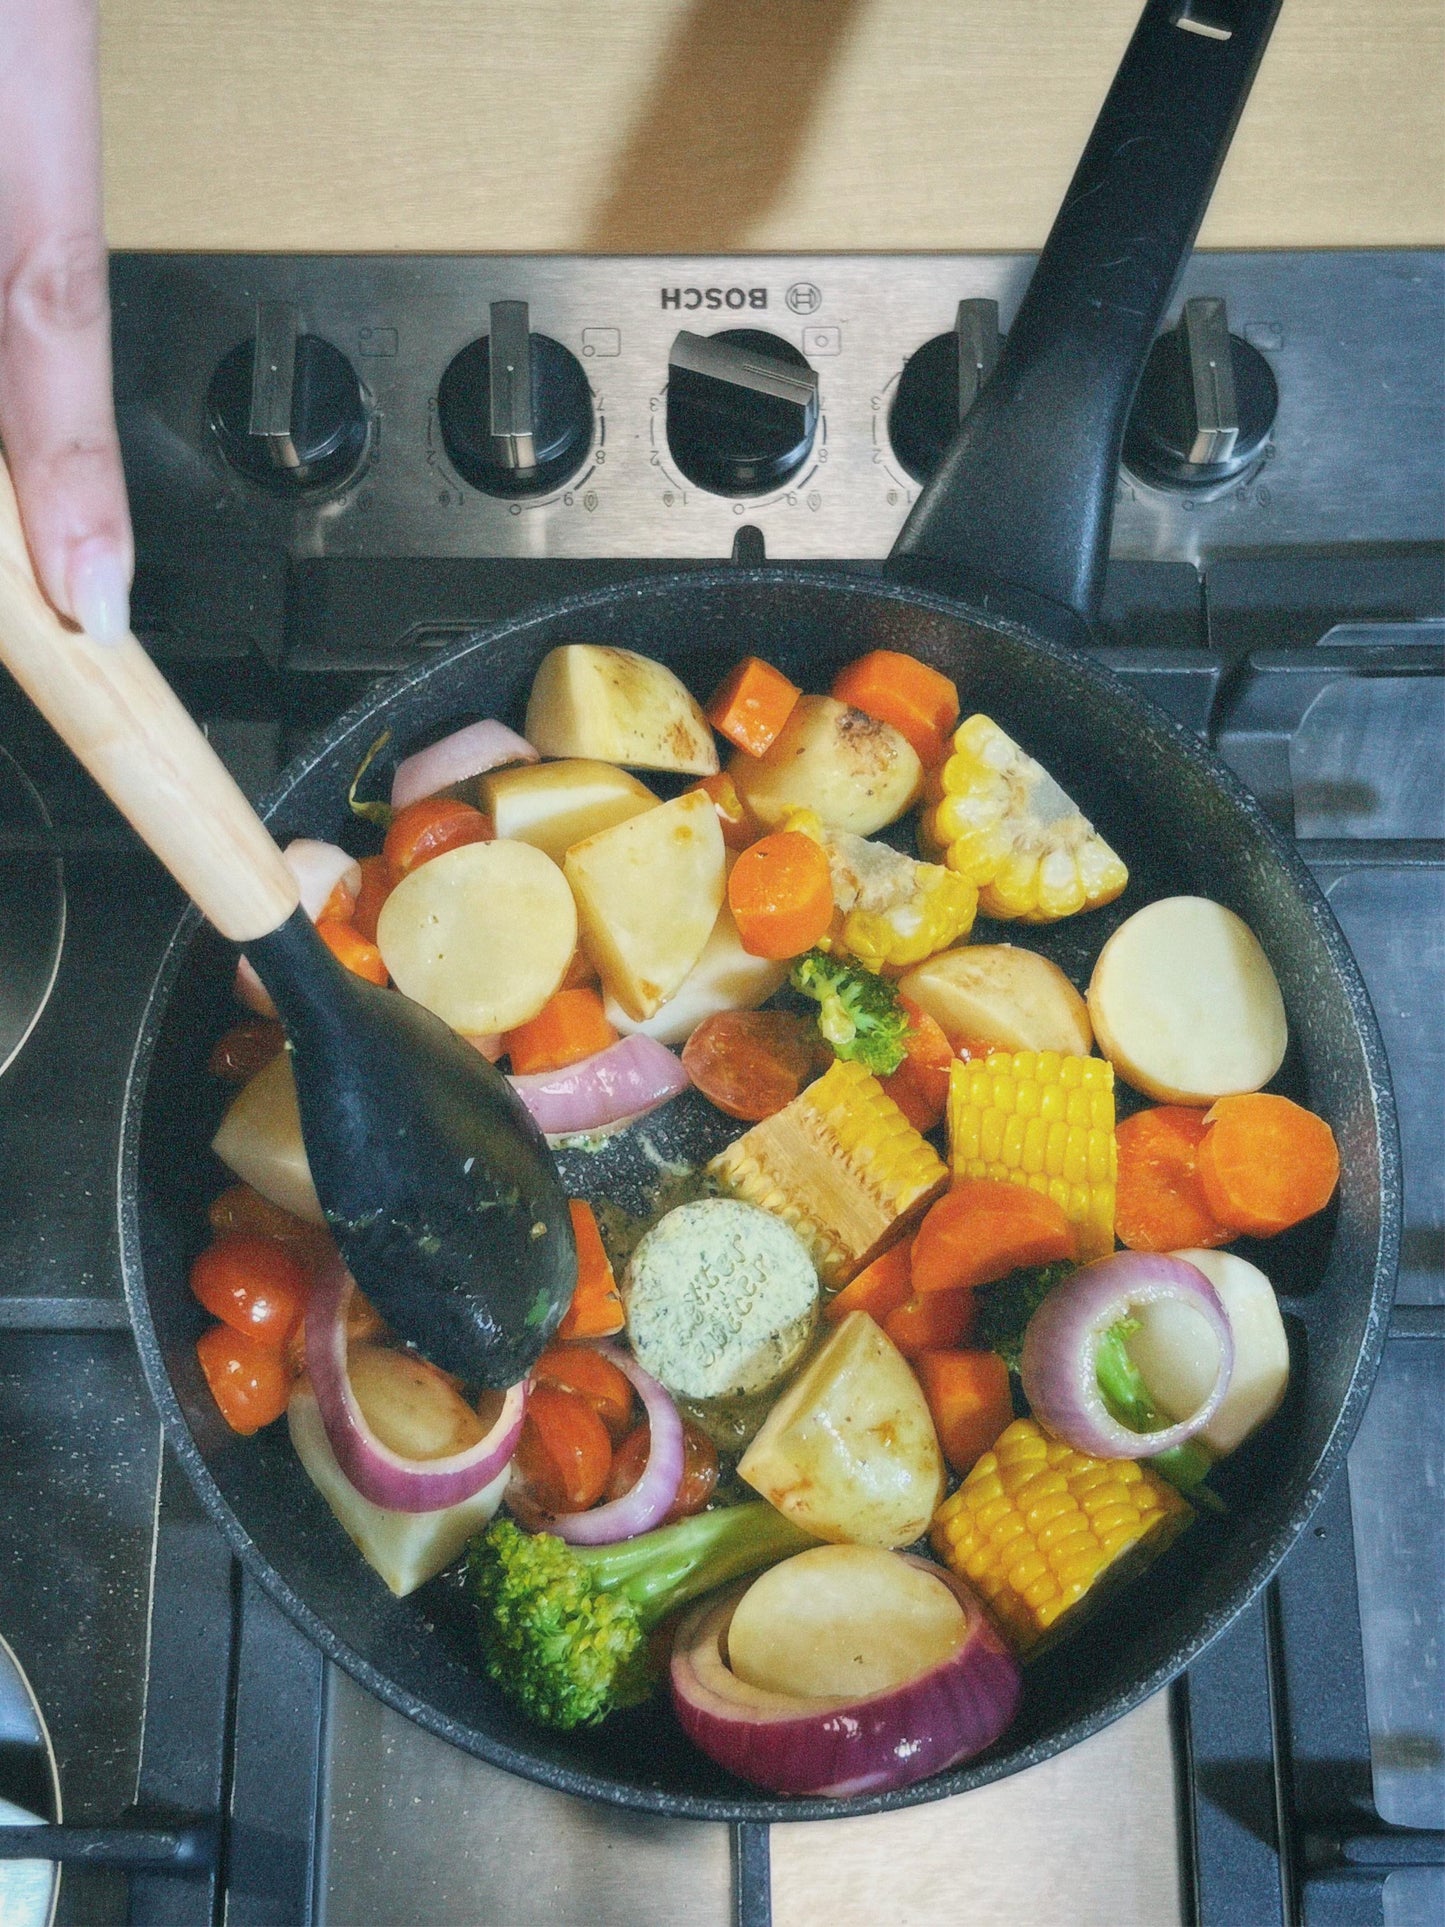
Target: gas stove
338, 464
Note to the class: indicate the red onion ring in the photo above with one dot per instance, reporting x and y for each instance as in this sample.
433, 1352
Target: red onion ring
1057, 1366
838, 1747
652, 1498
379, 1474
466, 753
614, 1086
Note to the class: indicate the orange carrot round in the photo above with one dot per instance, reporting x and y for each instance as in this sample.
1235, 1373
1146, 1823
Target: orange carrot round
919, 1087
968, 1395
920, 703
571, 1025
1160, 1204
985, 1228
925, 1323
1266, 1162
878, 1289
781, 895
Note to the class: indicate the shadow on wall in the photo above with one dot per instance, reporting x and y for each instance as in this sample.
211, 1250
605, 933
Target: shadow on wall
722, 126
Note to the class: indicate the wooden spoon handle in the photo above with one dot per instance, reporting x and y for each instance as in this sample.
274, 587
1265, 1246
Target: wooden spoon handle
118, 713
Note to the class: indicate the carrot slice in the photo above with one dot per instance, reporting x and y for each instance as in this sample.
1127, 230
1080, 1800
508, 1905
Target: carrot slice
733, 815
596, 1307
781, 895
377, 883
752, 705
919, 702
348, 946
985, 1228
927, 1323
1266, 1163
571, 1025
968, 1395
1160, 1204
878, 1289
919, 1087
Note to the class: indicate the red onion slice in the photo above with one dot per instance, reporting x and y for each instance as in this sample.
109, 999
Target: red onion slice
625, 1081
838, 1748
1060, 1379
469, 752
317, 868
652, 1498
378, 1473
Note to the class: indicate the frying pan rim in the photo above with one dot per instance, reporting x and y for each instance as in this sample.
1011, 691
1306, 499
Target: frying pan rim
366, 712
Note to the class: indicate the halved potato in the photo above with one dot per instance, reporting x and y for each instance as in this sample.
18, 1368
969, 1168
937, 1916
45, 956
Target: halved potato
855, 772
588, 700
849, 1451
999, 995
648, 893
554, 805
482, 935
260, 1140
1185, 1004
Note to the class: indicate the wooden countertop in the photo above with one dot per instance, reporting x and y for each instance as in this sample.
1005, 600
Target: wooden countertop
723, 125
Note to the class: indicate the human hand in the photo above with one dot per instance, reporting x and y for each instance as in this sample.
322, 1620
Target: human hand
57, 417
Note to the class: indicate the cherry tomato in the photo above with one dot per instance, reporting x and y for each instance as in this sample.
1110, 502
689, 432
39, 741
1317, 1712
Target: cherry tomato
750, 1063
699, 1469
377, 884
349, 947
580, 1369
255, 1285
243, 1050
430, 828
249, 1381
242, 1209
563, 1456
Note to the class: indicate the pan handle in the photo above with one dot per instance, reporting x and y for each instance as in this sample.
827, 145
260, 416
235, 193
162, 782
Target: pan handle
118, 713
1024, 498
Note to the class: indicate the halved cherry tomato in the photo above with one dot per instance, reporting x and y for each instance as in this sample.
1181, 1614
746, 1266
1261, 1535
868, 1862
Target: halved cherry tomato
563, 1456
699, 1469
377, 884
583, 1370
242, 1209
255, 1285
249, 1381
750, 1063
430, 828
348, 946
243, 1050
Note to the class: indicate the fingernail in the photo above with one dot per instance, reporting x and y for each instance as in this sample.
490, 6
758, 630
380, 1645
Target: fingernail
99, 592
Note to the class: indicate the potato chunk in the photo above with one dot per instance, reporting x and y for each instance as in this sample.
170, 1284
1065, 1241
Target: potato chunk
857, 773
999, 995
554, 805
482, 935
725, 977
648, 893
260, 1140
1185, 1004
624, 708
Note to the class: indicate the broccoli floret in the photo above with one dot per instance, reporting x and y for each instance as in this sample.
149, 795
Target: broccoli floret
1004, 1309
859, 1013
564, 1628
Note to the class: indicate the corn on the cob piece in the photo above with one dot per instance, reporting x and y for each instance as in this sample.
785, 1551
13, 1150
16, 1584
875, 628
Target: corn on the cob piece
892, 910
1038, 1527
1002, 821
841, 1165
1045, 1120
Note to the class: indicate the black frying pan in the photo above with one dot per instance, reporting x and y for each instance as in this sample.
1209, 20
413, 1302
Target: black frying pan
994, 580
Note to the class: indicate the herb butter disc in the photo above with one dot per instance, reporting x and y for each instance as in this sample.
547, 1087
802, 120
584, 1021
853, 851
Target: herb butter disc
721, 1300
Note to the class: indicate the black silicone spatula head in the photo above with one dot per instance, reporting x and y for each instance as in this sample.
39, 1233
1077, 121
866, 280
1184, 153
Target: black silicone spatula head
438, 1186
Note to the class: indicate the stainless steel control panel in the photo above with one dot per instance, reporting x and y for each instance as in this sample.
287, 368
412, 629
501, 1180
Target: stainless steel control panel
1355, 341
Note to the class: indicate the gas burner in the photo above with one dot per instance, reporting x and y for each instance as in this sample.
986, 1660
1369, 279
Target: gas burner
32, 909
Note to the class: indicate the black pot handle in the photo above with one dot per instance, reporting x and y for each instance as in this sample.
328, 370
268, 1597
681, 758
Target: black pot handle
1024, 498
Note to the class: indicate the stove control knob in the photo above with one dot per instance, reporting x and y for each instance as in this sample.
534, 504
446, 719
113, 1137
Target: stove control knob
742, 410
287, 407
515, 408
1205, 406
938, 386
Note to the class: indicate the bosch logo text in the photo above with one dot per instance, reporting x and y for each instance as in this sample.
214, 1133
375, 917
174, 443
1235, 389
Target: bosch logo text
714, 297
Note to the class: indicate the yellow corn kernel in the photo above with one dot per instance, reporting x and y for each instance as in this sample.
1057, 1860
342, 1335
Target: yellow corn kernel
1059, 1524
841, 1165
1046, 1120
